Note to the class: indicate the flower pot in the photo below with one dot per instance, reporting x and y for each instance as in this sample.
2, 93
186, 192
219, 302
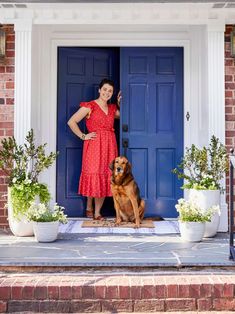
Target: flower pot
20, 227
46, 231
191, 231
207, 199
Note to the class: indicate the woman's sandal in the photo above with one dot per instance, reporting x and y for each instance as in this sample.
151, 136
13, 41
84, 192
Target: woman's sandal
89, 213
100, 218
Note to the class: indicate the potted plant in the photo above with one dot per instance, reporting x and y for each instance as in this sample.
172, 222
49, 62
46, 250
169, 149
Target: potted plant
203, 169
23, 164
193, 219
46, 221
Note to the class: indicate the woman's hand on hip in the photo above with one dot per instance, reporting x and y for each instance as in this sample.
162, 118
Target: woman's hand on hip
90, 136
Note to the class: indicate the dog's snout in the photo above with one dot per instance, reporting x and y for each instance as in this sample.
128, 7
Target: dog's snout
119, 169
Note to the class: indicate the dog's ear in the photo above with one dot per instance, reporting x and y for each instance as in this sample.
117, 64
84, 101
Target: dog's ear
111, 165
128, 167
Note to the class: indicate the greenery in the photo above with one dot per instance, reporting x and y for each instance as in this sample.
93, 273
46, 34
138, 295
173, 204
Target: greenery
24, 193
190, 211
23, 164
42, 213
203, 168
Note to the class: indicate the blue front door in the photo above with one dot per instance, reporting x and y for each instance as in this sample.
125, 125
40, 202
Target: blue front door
80, 70
152, 123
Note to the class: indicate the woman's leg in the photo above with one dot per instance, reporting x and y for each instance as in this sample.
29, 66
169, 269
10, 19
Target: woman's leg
89, 207
98, 204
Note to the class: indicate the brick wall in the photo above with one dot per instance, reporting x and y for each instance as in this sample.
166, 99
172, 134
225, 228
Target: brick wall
229, 95
6, 107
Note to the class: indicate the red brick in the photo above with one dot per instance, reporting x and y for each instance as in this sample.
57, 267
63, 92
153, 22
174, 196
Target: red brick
160, 291
114, 306
183, 291
172, 291
180, 304
16, 292
148, 306
85, 306
135, 292
88, 292
10, 69
77, 292
28, 293
5, 293
228, 93
40, 292
10, 101
3, 307
9, 85
111, 292
206, 290
124, 292
23, 306
10, 45
10, 38
204, 304
2, 69
228, 78
53, 292
223, 304
10, 53
218, 290
228, 290
65, 293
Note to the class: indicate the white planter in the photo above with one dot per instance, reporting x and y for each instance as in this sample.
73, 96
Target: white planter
19, 227
207, 199
46, 231
191, 231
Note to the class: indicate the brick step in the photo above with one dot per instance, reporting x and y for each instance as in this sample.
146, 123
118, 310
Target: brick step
95, 293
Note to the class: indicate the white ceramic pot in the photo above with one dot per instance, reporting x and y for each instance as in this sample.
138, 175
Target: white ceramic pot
207, 199
20, 227
46, 231
191, 231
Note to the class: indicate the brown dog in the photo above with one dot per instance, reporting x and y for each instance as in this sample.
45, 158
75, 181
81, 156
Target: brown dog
127, 202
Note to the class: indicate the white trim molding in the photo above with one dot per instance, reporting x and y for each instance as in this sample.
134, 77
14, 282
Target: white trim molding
203, 68
23, 77
216, 97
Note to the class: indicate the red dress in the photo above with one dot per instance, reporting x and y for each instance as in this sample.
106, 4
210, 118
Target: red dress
98, 153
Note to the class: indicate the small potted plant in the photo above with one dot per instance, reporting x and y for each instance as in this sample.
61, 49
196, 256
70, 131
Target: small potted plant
23, 164
203, 169
46, 220
193, 219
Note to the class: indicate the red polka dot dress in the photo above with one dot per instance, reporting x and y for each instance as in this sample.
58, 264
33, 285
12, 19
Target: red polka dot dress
98, 153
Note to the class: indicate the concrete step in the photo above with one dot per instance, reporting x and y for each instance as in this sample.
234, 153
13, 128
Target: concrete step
144, 292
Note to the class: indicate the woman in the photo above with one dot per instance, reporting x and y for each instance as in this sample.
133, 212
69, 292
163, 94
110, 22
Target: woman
100, 146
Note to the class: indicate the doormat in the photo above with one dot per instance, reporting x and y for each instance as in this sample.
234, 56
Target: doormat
146, 223
74, 226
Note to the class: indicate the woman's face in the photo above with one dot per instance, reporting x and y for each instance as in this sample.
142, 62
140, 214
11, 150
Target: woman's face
106, 92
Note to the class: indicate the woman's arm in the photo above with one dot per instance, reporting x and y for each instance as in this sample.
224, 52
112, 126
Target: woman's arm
75, 119
117, 113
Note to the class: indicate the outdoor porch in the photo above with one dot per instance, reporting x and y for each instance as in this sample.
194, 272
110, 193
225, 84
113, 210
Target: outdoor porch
100, 272
76, 250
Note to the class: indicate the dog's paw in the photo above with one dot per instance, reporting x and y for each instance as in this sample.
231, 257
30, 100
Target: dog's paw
118, 222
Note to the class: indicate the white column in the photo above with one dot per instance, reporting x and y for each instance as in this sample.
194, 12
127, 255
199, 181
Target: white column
23, 56
216, 97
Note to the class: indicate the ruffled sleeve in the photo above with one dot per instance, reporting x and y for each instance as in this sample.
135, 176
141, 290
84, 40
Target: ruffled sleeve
89, 105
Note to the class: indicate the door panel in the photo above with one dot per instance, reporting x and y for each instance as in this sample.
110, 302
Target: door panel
80, 70
152, 107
